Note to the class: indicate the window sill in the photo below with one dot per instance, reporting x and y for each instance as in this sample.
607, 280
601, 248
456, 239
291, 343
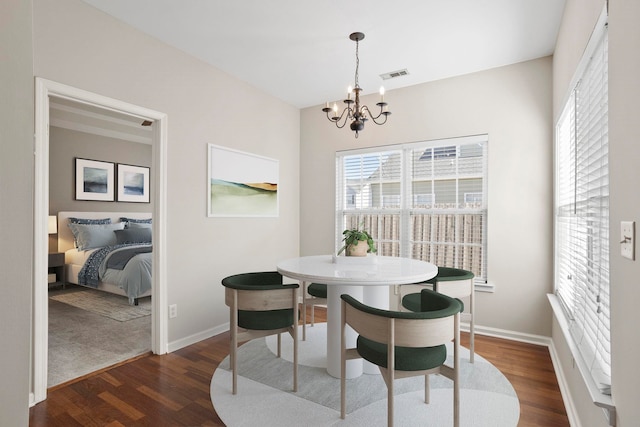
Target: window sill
601, 400
482, 286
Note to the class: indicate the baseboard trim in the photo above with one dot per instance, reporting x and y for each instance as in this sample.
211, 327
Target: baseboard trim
480, 330
192, 339
510, 335
563, 384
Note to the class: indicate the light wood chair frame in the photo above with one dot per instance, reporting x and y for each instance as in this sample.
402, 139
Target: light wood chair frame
312, 301
275, 297
413, 332
455, 289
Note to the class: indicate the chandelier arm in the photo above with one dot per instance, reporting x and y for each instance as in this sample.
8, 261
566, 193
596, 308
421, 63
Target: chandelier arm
375, 118
339, 118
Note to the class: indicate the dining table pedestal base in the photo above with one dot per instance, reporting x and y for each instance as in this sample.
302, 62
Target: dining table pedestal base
374, 296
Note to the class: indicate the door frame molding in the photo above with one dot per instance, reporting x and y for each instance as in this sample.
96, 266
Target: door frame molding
46, 89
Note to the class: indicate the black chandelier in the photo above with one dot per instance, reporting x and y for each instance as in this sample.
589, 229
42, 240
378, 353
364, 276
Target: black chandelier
356, 113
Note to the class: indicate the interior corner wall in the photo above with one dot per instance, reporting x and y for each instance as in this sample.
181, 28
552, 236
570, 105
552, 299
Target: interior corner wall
624, 131
16, 208
80, 46
511, 104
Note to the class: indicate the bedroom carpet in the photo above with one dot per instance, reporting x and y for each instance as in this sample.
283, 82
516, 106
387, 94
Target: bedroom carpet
113, 306
81, 341
264, 385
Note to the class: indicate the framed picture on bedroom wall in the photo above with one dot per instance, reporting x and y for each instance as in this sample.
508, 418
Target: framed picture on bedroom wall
133, 183
95, 180
241, 184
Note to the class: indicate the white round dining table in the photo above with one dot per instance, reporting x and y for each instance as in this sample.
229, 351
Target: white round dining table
365, 278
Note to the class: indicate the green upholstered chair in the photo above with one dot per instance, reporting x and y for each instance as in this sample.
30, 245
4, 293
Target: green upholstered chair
417, 341
261, 305
453, 282
312, 294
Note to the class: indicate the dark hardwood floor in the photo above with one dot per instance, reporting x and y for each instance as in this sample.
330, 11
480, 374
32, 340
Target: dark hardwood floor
173, 389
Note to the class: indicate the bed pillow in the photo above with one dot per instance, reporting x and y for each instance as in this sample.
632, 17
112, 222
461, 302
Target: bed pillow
73, 220
89, 236
133, 235
139, 225
129, 221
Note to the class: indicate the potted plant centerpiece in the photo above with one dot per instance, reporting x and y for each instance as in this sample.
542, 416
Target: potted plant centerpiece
357, 243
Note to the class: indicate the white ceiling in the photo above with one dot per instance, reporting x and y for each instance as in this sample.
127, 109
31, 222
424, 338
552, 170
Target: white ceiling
300, 52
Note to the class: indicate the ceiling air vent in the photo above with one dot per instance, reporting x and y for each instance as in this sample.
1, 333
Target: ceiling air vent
394, 74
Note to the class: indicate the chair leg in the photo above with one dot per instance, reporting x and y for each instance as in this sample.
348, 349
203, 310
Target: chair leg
234, 343
456, 371
304, 311
343, 363
295, 360
304, 321
472, 311
427, 395
234, 366
390, 401
279, 345
343, 390
313, 314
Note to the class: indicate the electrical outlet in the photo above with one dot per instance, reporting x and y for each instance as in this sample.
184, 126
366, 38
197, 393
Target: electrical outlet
173, 311
628, 239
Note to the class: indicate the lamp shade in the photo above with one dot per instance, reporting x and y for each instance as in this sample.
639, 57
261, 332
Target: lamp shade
53, 224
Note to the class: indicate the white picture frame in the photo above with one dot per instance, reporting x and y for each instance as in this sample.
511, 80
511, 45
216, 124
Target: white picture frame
133, 183
241, 184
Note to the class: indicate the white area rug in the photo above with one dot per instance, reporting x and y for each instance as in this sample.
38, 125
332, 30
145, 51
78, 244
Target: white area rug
113, 306
265, 397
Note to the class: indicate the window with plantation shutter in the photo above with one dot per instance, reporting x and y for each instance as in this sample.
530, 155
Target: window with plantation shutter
424, 200
582, 213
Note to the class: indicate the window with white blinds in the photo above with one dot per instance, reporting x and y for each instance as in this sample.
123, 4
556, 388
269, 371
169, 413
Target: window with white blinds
423, 200
582, 213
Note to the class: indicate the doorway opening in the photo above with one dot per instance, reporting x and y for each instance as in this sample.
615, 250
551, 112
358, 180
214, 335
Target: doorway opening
47, 91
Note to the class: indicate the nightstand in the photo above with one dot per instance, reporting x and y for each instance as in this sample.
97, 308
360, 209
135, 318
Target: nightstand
56, 266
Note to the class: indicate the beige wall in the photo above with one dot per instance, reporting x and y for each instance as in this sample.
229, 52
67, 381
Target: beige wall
80, 46
513, 106
16, 206
624, 132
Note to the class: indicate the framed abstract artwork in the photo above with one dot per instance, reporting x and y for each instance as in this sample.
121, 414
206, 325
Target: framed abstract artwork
241, 184
133, 183
94, 180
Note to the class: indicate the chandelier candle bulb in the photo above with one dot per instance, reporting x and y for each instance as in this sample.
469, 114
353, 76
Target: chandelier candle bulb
381, 93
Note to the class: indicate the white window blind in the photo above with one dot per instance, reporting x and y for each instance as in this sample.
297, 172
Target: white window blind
422, 200
582, 214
